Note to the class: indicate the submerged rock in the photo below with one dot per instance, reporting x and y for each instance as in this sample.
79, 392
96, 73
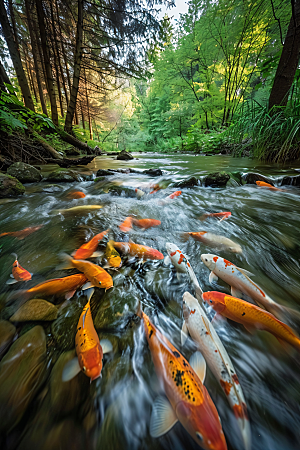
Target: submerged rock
7, 334
63, 329
24, 172
187, 183
122, 190
251, 178
291, 181
104, 173
59, 176
123, 155
216, 179
10, 186
22, 373
35, 309
153, 172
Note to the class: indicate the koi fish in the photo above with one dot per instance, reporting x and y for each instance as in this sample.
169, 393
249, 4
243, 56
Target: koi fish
175, 194
88, 249
267, 185
76, 194
188, 400
155, 188
126, 226
208, 342
112, 256
18, 272
251, 316
146, 223
219, 215
241, 284
66, 286
77, 209
97, 276
22, 233
139, 193
213, 240
88, 348
141, 251
182, 265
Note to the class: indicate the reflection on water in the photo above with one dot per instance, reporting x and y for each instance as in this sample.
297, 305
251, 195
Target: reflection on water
38, 409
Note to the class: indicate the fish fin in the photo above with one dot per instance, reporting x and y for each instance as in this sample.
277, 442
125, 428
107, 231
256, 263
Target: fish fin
106, 346
212, 277
218, 319
198, 293
74, 253
184, 333
223, 218
97, 254
250, 329
87, 285
90, 293
198, 364
236, 293
163, 417
178, 276
71, 369
131, 241
70, 294
15, 256
11, 281
246, 272
287, 347
67, 262
11, 276
184, 237
106, 266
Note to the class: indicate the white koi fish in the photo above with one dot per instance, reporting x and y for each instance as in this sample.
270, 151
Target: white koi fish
182, 265
139, 193
208, 342
213, 240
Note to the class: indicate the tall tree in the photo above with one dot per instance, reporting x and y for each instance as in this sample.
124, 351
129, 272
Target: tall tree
15, 57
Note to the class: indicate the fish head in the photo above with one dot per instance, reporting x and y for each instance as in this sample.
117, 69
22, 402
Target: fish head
189, 305
115, 261
209, 260
215, 299
90, 362
203, 424
171, 248
154, 254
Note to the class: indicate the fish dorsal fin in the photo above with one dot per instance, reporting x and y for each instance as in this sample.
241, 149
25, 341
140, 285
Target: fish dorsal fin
236, 292
84, 316
71, 369
212, 277
198, 364
97, 254
131, 241
90, 293
87, 285
106, 346
163, 417
184, 333
245, 272
167, 260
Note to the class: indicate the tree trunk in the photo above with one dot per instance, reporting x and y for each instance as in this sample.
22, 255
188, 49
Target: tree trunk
77, 66
4, 78
56, 59
15, 57
34, 53
288, 62
13, 22
88, 108
29, 71
82, 115
48, 70
64, 55
73, 141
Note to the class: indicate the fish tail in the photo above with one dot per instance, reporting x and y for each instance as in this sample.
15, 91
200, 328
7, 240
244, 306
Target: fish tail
4, 234
246, 433
67, 262
139, 311
203, 217
184, 236
22, 296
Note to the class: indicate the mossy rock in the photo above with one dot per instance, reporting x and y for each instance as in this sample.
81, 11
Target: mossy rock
126, 156
36, 309
25, 173
187, 183
7, 334
10, 186
251, 178
60, 176
216, 179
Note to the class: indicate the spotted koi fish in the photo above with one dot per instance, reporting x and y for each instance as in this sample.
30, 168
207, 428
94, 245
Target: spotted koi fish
208, 342
251, 316
182, 265
89, 248
241, 284
213, 240
18, 272
88, 348
188, 400
141, 251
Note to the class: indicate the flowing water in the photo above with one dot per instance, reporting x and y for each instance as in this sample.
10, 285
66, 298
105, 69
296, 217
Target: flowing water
38, 410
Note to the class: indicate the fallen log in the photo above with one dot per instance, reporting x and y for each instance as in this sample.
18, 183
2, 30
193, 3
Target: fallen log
67, 162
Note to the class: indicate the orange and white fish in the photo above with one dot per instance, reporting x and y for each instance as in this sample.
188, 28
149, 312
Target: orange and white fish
126, 225
76, 194
220, 215
77, 209
188, 400
88, 348
139, 193
202, 332
213, 240
251, 316
22, 233
89, 249
146, 223
112, 257
267, 185
18, 272
141, 251
97, 276
241, 284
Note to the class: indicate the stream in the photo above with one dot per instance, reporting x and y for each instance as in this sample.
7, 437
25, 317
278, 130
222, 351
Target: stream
37, 409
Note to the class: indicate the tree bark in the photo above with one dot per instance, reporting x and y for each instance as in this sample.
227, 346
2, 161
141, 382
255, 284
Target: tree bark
288, 62
73, 141
77, 67
4, 78
15, 57
82, 115
48, 70
13, 22
56, 59
88, 108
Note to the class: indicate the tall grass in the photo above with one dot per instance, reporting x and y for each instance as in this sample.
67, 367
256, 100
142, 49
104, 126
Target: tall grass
274, 135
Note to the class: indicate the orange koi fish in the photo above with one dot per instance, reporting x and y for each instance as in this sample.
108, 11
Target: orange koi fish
146, 223
88, 348
97, 276
18, 272
267, 185
141, 251
220, 215
155, 188
88, 249
22, 233
251, 316
188, 400
76, 194
175, 194
112, 257
126, 225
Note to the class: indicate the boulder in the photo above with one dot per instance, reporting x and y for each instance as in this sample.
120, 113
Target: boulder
187, 183
35, 309
59, 176
291, 181
24, 172
10, 186
123, 155
153, 172
105, 173
97, 151
216, 179
63, 329
22, 372
122, 190
7, 334
251, 178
